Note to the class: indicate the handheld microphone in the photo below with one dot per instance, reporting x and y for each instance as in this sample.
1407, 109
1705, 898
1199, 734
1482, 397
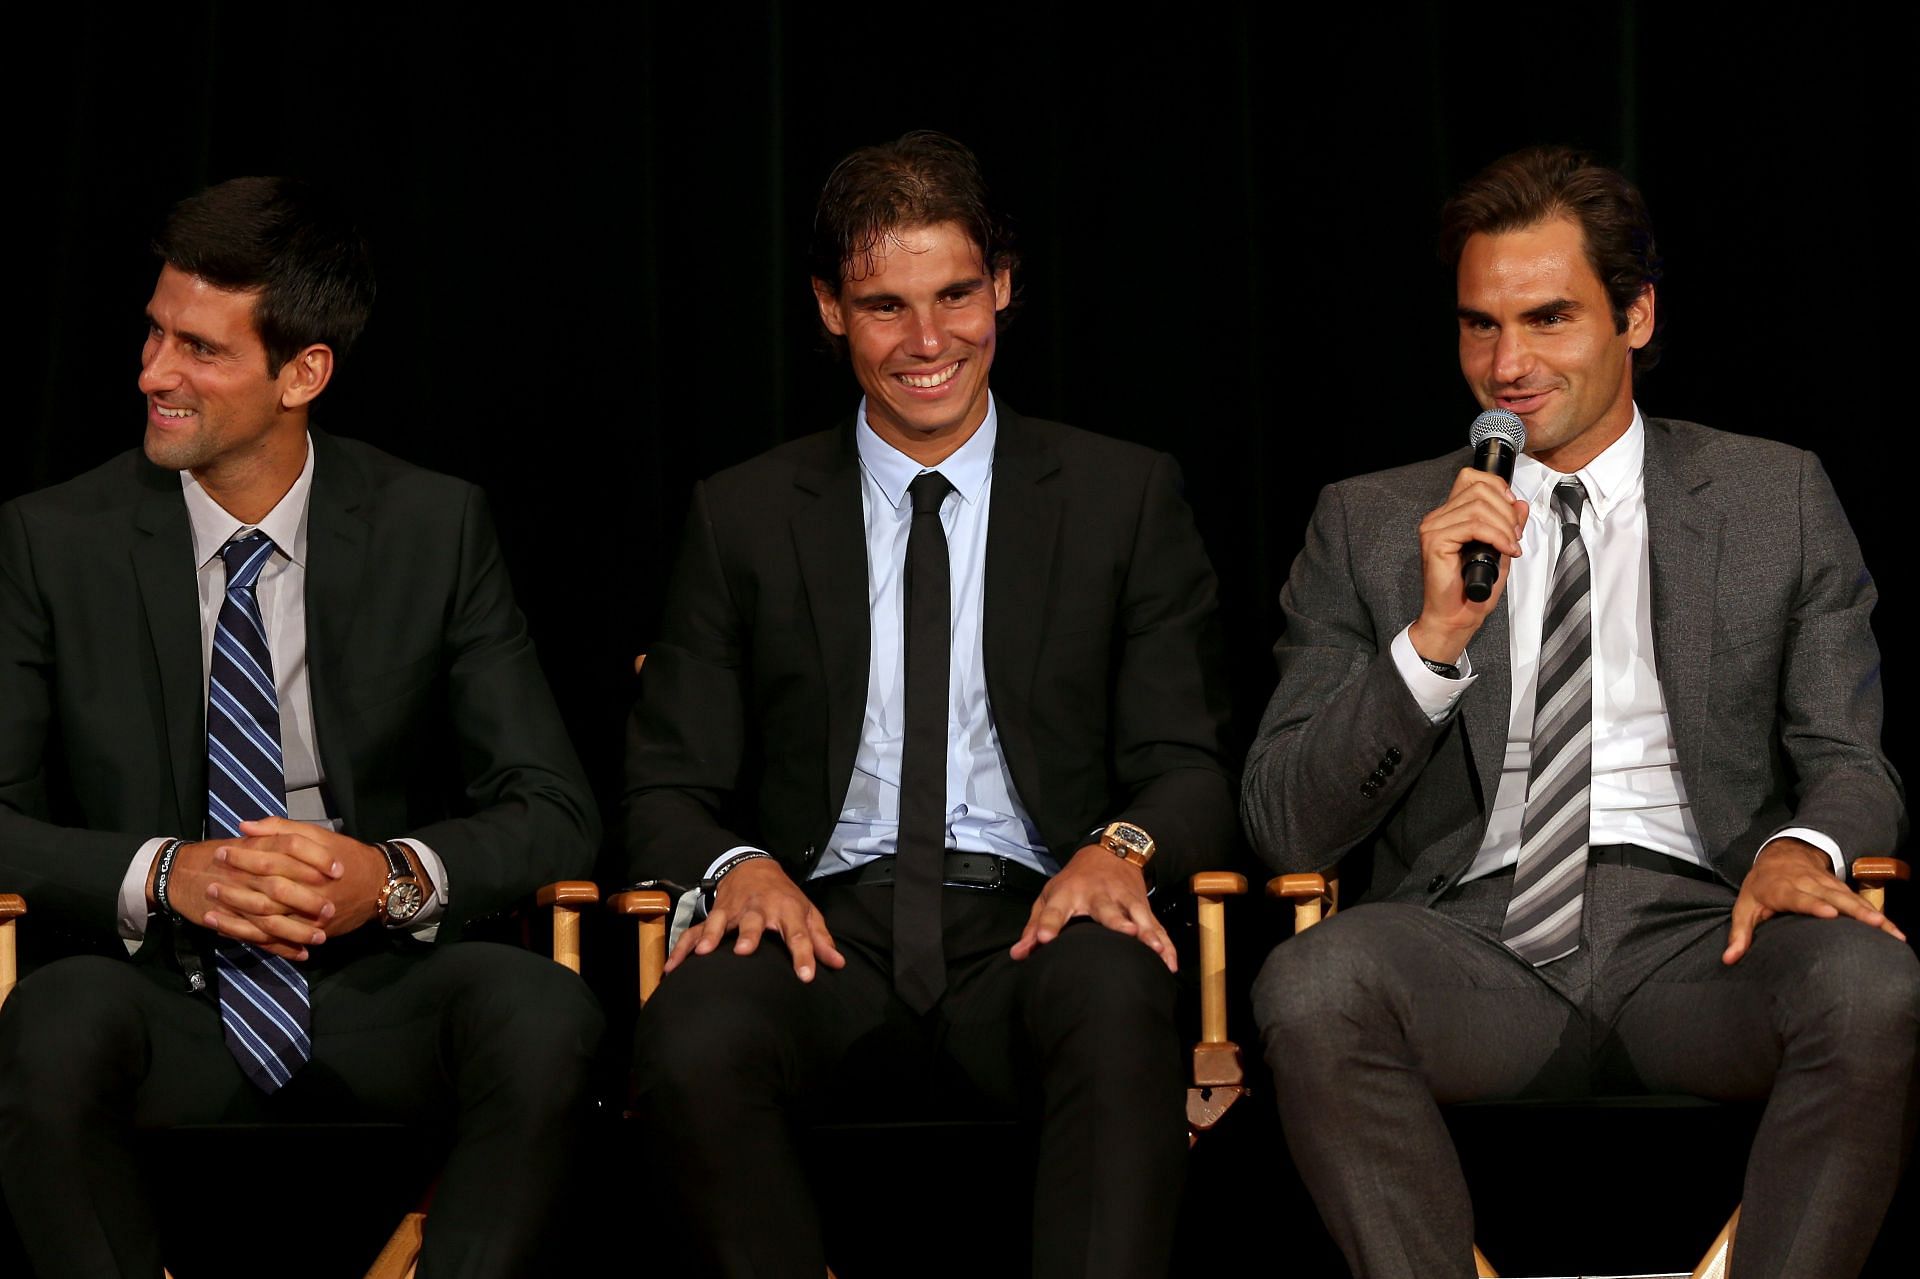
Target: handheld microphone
1497, 437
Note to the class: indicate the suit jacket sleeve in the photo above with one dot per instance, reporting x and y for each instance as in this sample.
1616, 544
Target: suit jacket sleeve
1170, 702
532, 817
64, 871
1340, 708
685, 737
1830, 709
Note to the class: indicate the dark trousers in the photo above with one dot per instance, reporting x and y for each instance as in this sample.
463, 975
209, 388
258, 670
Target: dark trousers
488, 1042
1081, 1034
1375, 1017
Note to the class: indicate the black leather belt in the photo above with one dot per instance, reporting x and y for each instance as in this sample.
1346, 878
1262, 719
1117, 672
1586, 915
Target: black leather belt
1646, 859
960, 870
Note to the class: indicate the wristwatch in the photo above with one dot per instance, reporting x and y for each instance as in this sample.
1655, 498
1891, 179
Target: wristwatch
403, 895
1129, 843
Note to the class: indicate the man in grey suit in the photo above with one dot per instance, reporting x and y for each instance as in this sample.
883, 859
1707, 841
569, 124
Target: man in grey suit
1596, 823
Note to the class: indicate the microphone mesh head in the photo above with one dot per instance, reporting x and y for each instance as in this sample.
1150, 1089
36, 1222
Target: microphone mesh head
1498, 423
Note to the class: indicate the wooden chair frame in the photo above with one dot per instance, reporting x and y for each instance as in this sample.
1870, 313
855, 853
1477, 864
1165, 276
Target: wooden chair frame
400, 1256
1317, 896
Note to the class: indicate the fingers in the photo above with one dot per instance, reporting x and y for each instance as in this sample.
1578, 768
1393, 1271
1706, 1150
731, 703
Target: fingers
271, 896
1746, 914
289, 845
278, 934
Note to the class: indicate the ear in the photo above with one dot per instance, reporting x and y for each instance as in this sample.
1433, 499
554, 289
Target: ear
1640, 319
1002, 288
827, 297
306, 375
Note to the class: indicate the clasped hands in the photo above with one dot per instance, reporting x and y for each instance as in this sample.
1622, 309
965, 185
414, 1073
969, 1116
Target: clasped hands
757, 897
283, 885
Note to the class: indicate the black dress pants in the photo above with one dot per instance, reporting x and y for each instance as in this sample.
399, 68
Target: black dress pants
490, 1043
1374, 1018
1081, 1035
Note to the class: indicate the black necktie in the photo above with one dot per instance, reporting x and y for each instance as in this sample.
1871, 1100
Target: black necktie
919, 962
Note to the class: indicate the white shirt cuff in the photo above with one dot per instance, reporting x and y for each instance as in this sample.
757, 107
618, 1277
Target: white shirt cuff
133, 890
1819, 841
1436, 695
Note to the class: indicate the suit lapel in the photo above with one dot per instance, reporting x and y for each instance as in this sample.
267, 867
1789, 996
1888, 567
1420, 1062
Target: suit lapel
337, 541
163, 565
1683, 543
1023, 524
830, 541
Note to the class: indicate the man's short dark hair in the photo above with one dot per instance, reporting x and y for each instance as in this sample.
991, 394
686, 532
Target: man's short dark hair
288, 240
922, 179
1533, 185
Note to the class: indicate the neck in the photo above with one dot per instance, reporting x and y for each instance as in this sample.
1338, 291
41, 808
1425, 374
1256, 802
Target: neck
249, 485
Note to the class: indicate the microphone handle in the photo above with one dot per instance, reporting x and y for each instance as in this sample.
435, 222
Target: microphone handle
1480, 563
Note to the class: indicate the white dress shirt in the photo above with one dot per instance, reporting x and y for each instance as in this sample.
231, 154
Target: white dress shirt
281, 594
1638, 796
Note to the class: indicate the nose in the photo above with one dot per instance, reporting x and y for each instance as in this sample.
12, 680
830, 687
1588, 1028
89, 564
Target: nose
929, 336
1512, 354
157, 369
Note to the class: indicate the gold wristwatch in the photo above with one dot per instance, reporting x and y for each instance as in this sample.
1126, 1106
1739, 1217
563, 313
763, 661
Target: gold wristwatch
1129, 843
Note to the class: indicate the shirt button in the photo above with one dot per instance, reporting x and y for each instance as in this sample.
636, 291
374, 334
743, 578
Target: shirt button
1437, 883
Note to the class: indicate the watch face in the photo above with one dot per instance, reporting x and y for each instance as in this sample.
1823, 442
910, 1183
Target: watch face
404, 900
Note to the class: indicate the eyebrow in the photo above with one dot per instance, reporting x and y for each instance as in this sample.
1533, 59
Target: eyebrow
1555, 306
194, 339
971, 284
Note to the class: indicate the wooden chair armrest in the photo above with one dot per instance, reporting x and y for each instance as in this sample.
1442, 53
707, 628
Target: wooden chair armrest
1871, 875
652, 908
566, 897
1217, 1073
1314, 896
12, 906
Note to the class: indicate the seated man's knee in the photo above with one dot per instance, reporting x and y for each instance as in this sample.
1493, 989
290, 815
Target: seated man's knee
1857, 990
534, 1015
710, 1027
1090, 977
1314, 988
72, 1019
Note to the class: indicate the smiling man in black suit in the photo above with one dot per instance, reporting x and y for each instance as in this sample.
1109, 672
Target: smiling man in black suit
937, 702
269, 714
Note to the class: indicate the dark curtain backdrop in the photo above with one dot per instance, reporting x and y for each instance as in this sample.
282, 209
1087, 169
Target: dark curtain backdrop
589, 228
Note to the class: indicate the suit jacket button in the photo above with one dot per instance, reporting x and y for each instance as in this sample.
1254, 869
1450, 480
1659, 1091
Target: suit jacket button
1379, 776
1369, 789
1393, 754
1437, 883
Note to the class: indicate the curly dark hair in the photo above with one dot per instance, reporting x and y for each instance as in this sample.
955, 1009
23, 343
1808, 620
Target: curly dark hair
922, 179
1542, 182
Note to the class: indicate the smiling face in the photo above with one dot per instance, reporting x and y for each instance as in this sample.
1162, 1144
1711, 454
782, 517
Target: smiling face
920, 329
1537, 338
213, 406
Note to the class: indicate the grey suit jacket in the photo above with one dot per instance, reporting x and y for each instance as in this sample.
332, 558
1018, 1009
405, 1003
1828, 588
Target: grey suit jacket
1761, 643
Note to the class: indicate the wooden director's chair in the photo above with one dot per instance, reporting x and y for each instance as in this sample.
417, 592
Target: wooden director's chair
565, 899
1317, 896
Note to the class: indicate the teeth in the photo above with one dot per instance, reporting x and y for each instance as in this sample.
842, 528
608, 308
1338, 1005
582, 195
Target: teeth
167, 412
931, 380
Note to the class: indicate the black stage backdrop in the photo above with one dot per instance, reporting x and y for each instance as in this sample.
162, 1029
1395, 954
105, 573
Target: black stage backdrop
589, 228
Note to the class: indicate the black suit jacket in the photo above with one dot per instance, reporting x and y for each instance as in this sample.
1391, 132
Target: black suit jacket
1101, 639
432, 716
1761, 641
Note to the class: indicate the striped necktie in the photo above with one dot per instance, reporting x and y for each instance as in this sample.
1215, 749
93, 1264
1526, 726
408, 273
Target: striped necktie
1543, 916
263, 998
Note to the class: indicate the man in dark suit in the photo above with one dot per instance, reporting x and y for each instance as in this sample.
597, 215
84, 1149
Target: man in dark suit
229, 663
1596, 821
935, 701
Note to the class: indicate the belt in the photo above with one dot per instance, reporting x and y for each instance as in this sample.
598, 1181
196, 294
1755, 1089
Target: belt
1646, 859
959, 870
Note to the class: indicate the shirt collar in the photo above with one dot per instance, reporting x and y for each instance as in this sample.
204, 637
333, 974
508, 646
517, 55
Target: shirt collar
967, 468
286, 523
1607, 478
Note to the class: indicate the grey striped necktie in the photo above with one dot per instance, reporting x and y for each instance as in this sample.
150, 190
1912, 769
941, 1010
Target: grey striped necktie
263, 998
1543, 915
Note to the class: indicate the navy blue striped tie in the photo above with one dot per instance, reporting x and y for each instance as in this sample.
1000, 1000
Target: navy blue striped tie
263, 998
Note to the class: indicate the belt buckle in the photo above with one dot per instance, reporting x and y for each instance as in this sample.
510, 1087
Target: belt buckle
999, 873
